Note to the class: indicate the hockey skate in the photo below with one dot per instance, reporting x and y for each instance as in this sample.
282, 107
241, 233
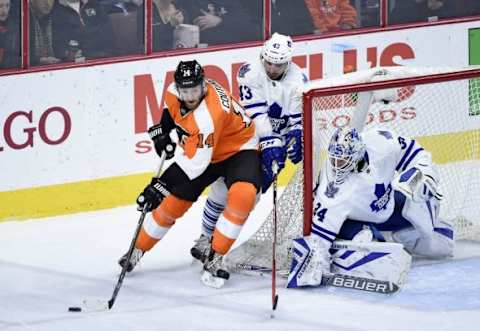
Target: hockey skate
214, 275
136, 256
200, 250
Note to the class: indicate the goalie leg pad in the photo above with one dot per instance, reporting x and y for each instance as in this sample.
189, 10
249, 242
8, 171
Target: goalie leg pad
377, 260
310, 260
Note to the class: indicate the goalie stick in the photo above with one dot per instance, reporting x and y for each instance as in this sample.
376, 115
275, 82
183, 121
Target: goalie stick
360, 283
337, 280
99, 305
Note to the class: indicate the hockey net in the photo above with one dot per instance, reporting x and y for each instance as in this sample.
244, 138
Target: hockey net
440, 107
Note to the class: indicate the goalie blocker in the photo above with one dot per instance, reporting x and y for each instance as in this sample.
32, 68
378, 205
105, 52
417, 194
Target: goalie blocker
370, 266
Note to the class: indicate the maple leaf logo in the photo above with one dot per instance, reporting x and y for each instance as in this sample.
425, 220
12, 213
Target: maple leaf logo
383, 197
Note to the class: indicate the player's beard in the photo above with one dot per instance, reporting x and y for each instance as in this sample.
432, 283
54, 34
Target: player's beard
275, 75
191, 105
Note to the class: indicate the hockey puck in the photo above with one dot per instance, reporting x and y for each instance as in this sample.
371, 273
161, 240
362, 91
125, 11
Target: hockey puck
74, 309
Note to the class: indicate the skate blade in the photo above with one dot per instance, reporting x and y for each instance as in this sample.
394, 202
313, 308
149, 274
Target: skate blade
211, 281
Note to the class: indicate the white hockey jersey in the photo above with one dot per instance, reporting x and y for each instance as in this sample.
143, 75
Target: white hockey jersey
365, 195
272, 104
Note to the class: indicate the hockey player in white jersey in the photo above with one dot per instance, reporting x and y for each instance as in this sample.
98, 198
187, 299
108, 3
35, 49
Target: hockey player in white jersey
371, 184
268, 93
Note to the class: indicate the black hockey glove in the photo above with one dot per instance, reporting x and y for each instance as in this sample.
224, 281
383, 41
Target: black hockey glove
152, 195
162, 141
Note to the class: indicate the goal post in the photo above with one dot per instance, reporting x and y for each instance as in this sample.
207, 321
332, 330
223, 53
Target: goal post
440, 107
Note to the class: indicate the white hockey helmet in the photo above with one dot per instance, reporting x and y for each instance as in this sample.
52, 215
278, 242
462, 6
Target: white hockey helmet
345, 150
278, 49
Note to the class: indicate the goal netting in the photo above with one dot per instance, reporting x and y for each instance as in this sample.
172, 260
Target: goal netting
440, 107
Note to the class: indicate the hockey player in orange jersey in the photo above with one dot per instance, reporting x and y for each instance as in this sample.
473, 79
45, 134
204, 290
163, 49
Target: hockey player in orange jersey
216, 139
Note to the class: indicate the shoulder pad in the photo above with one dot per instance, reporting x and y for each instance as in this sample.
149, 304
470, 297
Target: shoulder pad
295, 74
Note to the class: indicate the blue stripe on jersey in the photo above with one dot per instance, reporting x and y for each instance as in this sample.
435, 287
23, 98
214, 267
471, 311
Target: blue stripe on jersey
252, 116
295, 115
319, 228
254, 105
322, 235
407, 152
418, 150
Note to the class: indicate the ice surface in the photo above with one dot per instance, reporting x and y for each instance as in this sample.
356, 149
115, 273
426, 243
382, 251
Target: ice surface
50, 264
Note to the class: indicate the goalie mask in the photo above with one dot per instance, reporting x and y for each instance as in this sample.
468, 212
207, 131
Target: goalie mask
277, 55
345, 150
190, 82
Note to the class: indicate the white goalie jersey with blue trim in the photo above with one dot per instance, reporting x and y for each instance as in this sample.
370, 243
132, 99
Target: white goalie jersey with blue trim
367, 194
274, 105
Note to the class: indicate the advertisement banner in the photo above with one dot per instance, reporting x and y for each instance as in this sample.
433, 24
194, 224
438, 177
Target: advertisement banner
69, 137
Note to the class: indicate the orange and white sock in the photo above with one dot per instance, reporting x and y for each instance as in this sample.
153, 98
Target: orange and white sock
160, 220
240, 202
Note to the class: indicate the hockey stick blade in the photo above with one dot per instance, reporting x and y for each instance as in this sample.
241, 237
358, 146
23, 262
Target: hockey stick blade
360, 283
275, 302
92, 305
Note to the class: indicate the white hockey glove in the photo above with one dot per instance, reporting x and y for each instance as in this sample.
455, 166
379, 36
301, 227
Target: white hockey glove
419, 184
310, 261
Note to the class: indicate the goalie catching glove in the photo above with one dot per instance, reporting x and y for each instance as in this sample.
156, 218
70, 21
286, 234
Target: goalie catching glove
152, 195
419, 184
162, 141
273, 153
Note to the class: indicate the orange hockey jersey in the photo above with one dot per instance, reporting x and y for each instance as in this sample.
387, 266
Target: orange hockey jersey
217, 129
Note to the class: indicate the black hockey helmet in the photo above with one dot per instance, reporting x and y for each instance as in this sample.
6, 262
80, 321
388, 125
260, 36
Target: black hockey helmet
189, 74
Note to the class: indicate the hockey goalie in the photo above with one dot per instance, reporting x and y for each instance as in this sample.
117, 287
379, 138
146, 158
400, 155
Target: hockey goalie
376, 204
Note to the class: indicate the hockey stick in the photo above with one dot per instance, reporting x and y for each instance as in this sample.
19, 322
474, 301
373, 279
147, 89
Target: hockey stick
274, 241
337, 280
98, 305
360, 283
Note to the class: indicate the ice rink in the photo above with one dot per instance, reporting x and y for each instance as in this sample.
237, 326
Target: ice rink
50, 264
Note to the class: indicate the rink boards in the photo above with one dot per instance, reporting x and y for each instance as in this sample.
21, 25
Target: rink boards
75, 139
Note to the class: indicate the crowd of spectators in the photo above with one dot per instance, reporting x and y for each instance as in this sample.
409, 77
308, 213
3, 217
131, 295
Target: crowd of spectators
412, 11
78, 30
9, 35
